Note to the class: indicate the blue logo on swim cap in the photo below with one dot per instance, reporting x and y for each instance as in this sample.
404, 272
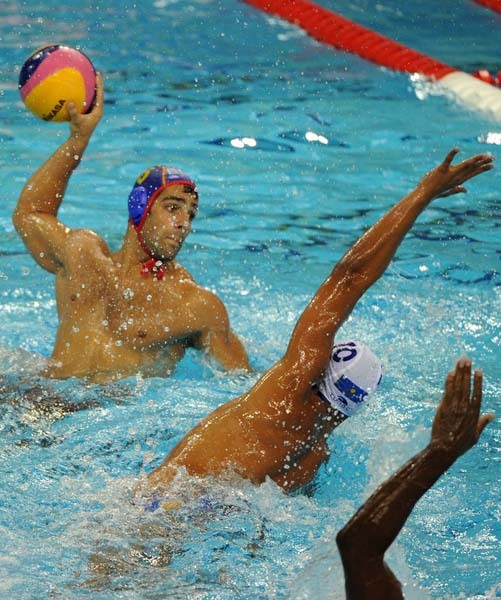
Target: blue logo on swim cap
350, 390
344, 352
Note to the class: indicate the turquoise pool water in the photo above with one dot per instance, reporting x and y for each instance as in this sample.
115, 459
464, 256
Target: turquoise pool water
336, 142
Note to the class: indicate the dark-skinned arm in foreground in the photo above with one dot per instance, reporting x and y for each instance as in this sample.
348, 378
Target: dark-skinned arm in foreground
369, 533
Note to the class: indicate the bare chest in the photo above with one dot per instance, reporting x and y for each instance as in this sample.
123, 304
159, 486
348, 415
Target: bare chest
151, 312
139, 312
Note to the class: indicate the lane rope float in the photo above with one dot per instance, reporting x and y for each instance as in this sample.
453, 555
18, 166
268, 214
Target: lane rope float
494, 5
330, 28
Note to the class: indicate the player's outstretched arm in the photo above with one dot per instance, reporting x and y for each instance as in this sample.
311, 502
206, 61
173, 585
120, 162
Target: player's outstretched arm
369, 533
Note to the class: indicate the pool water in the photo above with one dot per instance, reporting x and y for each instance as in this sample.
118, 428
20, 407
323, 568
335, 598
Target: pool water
297, 148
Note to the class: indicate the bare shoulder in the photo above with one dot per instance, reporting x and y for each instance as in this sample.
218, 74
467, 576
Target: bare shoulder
207, 309
183, 275
211, 301
195, 293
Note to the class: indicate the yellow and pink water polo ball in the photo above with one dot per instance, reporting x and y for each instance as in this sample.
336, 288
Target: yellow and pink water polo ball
53, 76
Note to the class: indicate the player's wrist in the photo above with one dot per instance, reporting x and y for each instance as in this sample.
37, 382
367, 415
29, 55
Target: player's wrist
442, 454
74, 147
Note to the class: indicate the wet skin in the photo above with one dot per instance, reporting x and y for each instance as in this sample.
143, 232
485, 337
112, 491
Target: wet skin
113, 321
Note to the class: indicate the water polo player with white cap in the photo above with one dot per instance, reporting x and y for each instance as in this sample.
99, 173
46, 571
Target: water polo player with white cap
353, 373
279, 428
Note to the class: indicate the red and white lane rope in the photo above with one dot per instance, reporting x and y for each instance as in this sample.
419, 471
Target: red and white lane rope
343, 34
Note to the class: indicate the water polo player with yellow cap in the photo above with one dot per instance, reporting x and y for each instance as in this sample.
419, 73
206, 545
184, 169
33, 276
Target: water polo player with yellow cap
133, 310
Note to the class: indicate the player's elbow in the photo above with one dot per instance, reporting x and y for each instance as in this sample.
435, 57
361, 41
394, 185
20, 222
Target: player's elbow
23, 223
352, 278
351, 542
344, 541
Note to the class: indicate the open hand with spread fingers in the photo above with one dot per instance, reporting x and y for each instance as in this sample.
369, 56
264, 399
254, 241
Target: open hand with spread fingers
458, 425
447, 179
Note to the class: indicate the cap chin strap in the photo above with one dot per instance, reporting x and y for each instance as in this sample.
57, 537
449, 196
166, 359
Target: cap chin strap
152, 266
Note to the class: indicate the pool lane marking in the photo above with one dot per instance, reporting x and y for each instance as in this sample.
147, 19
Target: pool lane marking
494, 5
330, 28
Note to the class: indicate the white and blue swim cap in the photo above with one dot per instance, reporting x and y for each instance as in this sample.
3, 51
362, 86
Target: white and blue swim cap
353, 373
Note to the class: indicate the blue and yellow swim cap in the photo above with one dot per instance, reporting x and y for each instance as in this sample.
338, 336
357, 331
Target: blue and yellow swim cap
148, 186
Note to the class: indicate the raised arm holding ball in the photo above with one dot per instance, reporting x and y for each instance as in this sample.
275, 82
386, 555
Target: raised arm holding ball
133, 310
